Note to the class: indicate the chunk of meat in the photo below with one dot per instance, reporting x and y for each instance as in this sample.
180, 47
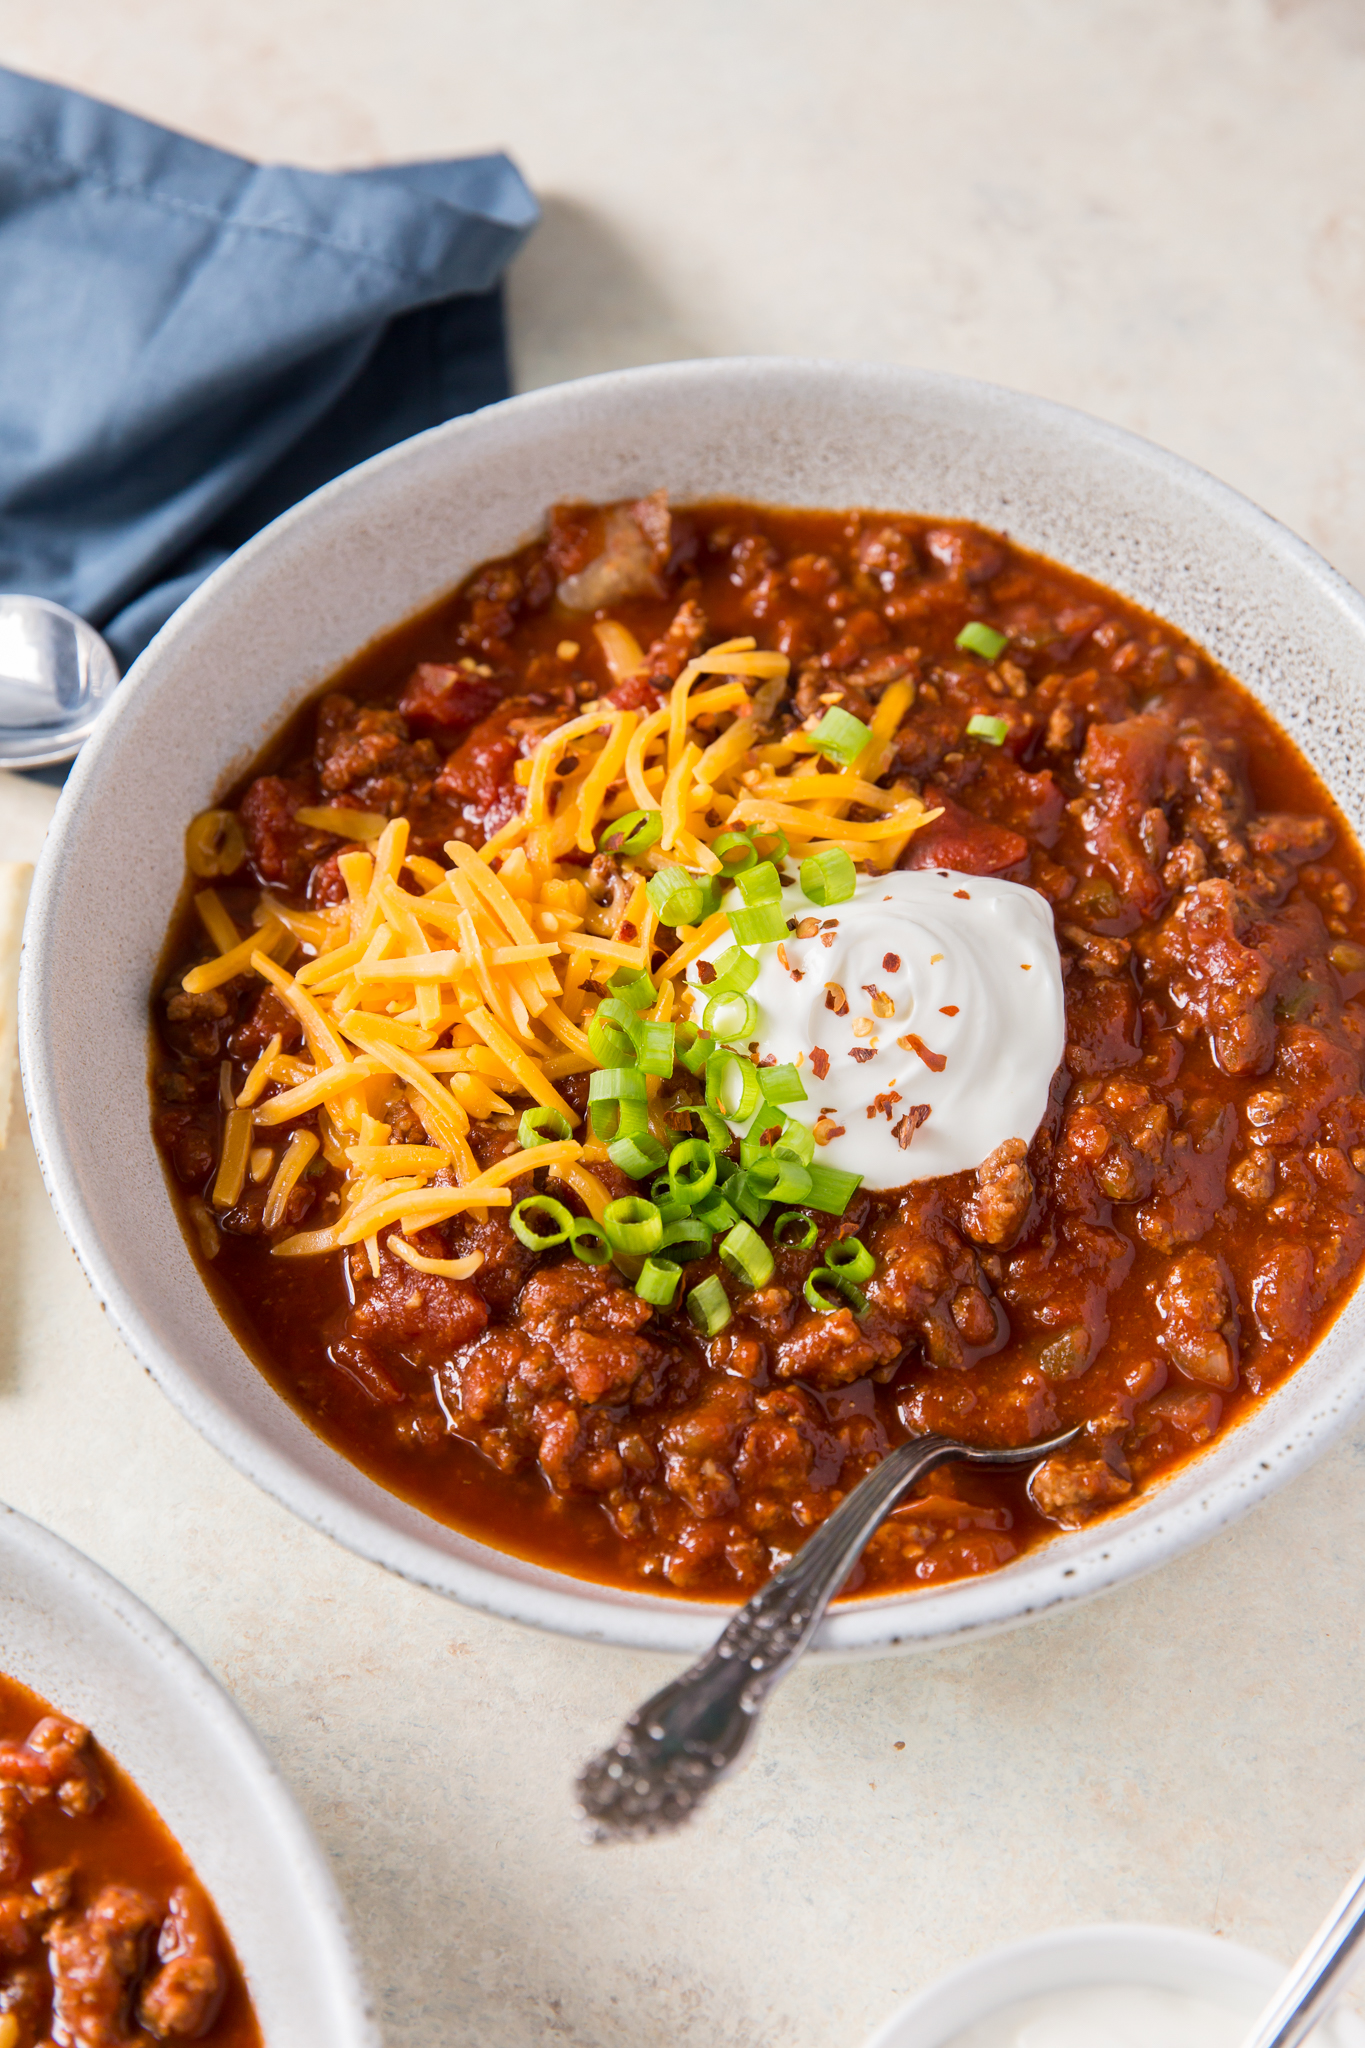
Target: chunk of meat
1226, 967
441, 700
190, 1136
1283, 1295
56, 1756
95, 1958
279, 850
181, 1999
1128, 767
994, 1212
1103, 1024
923, 1267
424, 1315
833, 1350
267, 1017
1199, 1329
635, 548
590, 1324
1074, 1484
962, 842
967, 556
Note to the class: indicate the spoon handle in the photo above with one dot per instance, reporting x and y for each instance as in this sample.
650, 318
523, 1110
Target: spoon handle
686, 1737
1318, 1977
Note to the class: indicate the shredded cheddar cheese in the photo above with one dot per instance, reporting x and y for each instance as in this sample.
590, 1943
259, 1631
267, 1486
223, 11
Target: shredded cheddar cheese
435, 994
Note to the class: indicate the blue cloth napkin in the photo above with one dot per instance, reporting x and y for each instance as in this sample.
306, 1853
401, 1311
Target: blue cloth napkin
190, 342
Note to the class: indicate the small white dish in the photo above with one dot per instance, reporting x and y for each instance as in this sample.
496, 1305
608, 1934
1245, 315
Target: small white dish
388, 539
83, 1642
1240, 1980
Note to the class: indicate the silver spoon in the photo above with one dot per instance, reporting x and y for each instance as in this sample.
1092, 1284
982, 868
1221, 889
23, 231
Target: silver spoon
56, 675
1319, 1976
690, 1735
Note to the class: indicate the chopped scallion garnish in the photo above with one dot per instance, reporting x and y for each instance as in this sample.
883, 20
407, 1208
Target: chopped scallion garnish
541, 1236
840, 735
982, 726
759, 926
709, 1305
677, 896
744, 1252
541, 1126
659, 1282
633, 1225
632, 834
828, 877
977, 637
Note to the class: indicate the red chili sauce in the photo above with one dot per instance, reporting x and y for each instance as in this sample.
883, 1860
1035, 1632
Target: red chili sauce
106, 1936
1188, 1219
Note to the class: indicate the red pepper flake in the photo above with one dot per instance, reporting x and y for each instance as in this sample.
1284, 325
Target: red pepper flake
947, 1010
905, 1130
934, 1061
826, 938
882, 1005
863, 1052
706, 973
881, 1105
963, 894
835, 999
819, 1062
627, 933
769, 1059
807, 928
891, 962
1027, 966
824, 1129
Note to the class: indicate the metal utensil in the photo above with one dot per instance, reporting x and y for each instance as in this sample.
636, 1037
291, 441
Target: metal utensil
686, 1738
56, 675
1319, 1976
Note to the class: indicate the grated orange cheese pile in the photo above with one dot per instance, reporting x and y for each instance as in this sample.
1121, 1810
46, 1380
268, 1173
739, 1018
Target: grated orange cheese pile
472, 986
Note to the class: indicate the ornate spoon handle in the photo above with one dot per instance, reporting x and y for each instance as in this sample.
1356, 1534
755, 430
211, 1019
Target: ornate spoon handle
694, 1731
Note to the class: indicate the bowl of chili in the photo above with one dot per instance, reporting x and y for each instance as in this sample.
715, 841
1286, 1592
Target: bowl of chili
157, 1874
1130, 588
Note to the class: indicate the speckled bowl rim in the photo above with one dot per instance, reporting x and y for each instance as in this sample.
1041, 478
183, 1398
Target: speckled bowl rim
81, 1640
1128, 513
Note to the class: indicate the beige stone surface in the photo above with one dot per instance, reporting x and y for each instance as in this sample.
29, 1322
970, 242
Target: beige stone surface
1153, 211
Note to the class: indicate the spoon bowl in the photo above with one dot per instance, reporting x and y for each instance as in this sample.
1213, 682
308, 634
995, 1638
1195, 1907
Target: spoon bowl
56, 675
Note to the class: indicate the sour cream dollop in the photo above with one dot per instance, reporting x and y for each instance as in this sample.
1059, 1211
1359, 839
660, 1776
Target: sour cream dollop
926, 991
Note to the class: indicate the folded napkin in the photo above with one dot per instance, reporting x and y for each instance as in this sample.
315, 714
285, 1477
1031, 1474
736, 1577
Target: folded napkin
190, 342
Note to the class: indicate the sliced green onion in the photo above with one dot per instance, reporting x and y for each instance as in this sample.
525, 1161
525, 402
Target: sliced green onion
630, 985
731, 1014
731, 1085
633, 1225
798, 1140
613, 1029
718, 1135
632, 834
617, 1103
753, 1144
772, 844
807, 1230
692, 1046
524, 1228
588, 1242
777, 1177
734, 969
745, 1253
831, 1189
828, 877
735, 851
762, 884
977, 637
540, 1127
710, 887
655, 1047
747, 1195
814, 1291
716, 1213
659, 1282
757, 927
850, 1258
692, 1170
781, 1084
840, 735
670, 1205
981, 726
687, 1238
676, 896
709, 1305
637, 1154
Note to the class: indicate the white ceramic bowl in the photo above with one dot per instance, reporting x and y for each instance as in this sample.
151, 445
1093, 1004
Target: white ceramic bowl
81, 1640
1163, 1958
388, 538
